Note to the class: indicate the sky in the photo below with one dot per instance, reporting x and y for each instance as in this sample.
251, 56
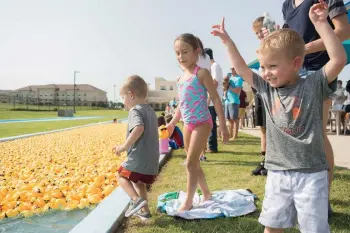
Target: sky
44, 41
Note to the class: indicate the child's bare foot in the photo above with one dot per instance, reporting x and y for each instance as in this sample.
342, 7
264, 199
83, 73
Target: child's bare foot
184, 207
207, 197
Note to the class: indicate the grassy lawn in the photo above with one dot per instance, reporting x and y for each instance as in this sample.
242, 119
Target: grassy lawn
13, 129
45, 114
230, 169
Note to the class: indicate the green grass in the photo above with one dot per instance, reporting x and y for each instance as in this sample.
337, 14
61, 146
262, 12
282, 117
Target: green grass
230, 169
44, 114
13, 129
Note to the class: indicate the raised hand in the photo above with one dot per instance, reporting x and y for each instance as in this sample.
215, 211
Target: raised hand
219, 30
319, 12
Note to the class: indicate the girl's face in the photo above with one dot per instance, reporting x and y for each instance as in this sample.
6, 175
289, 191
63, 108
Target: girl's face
185, 54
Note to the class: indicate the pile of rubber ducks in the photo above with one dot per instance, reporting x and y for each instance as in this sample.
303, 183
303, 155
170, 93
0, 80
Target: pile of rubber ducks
60, 171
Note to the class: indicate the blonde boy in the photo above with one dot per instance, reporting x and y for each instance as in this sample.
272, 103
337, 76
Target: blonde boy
141, 166
297, 187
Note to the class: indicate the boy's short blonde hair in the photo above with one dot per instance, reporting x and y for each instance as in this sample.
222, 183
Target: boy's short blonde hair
258, 24
135, 84
285, 42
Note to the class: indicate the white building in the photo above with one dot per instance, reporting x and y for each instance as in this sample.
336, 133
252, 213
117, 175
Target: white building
59, 94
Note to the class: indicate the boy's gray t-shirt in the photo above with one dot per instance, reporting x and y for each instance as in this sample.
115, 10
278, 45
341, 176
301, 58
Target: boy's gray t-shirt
294, 123
143, 156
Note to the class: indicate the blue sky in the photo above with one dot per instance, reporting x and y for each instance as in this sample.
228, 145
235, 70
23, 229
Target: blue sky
42, 41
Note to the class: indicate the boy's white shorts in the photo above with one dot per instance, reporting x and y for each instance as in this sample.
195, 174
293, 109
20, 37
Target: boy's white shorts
295, 197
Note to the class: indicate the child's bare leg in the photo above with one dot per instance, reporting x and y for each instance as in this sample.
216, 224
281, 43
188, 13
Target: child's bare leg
142, 191
235, 132
231, 128
128, 187
195, 143
203, 185
273, 230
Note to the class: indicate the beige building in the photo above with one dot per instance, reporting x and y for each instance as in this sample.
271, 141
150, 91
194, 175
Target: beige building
60, 94
165, 91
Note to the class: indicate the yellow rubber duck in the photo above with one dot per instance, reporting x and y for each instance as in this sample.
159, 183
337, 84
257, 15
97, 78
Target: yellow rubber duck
63, 171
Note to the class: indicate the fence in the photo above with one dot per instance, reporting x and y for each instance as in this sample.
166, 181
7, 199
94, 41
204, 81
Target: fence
41, 104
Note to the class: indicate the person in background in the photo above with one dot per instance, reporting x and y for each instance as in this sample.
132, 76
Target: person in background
216, 74
167, 110
242, 107
259, 109
339, 98
177, 135
203, 58
233, 102
161, 121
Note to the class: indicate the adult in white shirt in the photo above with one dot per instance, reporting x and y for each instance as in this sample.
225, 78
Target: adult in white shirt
203, 60
216, 73
339, 96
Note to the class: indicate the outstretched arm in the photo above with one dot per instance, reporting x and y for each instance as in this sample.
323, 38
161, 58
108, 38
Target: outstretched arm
337, 57
235, 57
337, 13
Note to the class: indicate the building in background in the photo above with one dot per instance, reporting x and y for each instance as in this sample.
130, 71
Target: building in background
164, 91
56, 94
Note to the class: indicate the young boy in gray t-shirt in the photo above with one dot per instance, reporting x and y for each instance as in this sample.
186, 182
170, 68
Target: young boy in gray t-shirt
297, 181
142, 146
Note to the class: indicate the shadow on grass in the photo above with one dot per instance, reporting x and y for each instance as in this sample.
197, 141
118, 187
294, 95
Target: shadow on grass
340, 221
230, 162
234, 225
341, 203
245, 142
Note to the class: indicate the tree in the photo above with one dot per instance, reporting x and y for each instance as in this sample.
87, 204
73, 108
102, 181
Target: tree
119, 105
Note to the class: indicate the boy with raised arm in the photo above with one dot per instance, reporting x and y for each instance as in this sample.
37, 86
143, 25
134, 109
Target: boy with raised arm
297, 182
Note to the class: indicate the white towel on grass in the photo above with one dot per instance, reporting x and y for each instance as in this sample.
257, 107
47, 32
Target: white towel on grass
227, 203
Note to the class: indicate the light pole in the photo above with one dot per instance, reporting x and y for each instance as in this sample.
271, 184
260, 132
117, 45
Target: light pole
75, 72
114, 93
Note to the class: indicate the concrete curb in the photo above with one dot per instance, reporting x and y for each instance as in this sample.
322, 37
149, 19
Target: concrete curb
54, 131
109, 214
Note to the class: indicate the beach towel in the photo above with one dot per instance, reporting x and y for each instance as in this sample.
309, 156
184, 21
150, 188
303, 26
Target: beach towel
226, 203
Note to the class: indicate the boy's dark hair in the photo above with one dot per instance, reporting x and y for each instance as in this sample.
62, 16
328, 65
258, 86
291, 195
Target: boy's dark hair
168, 118
161, 121
347, 87
209, 52
163, 114
190, 39
200, 45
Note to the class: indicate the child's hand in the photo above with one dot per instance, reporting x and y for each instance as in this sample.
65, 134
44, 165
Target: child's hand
266, 32
319, 12
170, 127
118, 149
219, 30
224, 133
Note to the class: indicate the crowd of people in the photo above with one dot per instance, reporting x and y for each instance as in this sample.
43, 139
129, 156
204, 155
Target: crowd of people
299, 66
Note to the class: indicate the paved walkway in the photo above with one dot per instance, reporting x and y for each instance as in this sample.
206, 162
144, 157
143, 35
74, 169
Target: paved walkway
339, 143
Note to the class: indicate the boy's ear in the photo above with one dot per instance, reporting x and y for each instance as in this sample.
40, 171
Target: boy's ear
298, 62
131, 94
